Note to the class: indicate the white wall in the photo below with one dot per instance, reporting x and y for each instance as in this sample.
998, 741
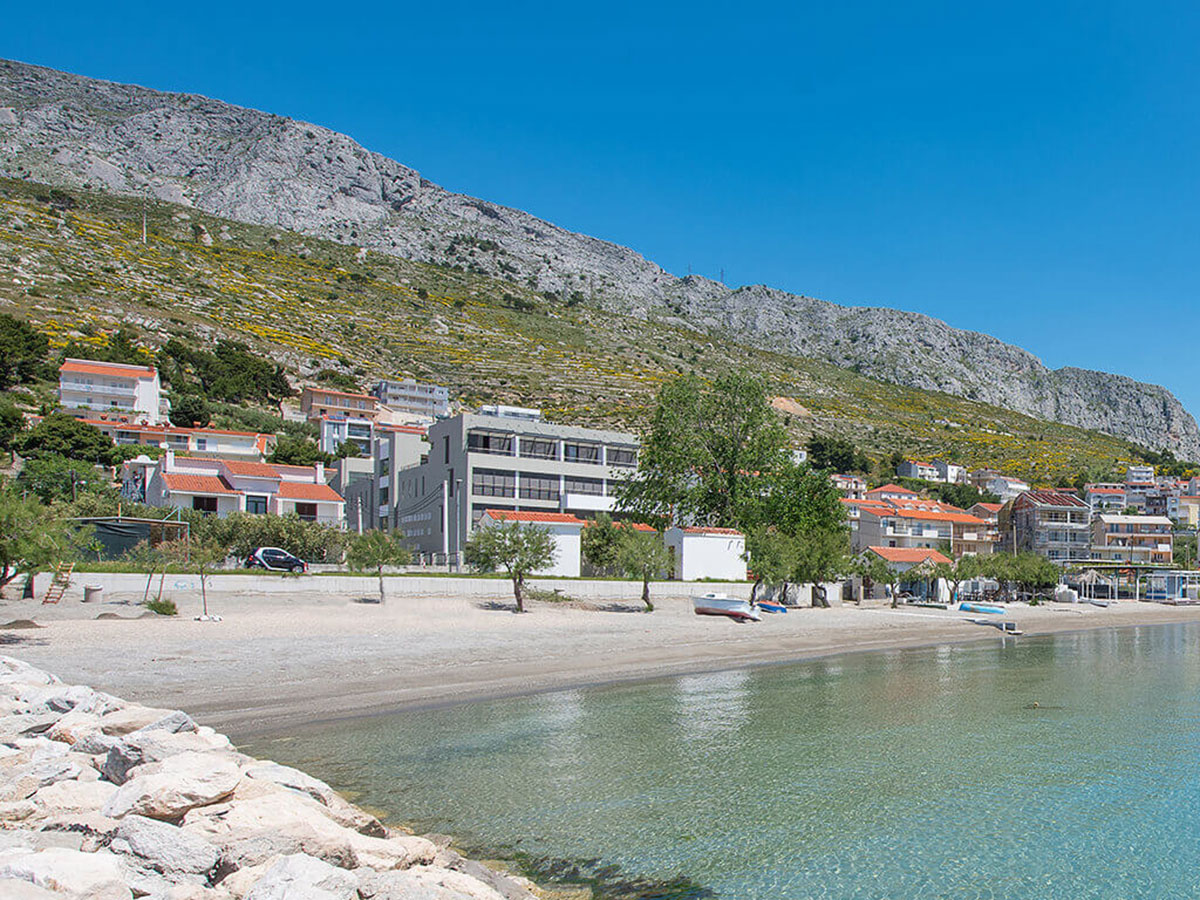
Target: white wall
568, 549
699, 556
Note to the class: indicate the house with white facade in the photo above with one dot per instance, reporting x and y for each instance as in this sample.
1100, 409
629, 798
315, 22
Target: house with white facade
700, 552
891, 492
911, 527
1005, 488
915, 468
117, 392
566, 531
950, 473
222, 486
1104, 497
851, 487
407, 396
902, 561
213, 442
1134, 539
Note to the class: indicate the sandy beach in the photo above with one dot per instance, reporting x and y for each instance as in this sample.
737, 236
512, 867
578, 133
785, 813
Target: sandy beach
277, 662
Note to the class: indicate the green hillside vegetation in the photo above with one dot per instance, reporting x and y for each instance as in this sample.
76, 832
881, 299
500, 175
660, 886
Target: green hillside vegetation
73, 264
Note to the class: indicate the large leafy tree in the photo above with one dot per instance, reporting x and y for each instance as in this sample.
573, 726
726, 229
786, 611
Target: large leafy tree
61, 435
31, 536
708, 454
52, 478
24, 352
770, 555
229, 372
821, 556
518, 549
601, 542
190, 410
836, 455
12, 423
298, 451
373, 550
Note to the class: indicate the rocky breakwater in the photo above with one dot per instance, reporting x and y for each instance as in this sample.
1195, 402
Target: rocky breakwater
101, 799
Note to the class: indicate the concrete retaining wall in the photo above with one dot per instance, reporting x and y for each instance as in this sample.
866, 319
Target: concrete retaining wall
127, 585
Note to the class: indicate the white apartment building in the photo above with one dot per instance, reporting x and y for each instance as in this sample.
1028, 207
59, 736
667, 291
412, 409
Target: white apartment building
949, 472
214, 442
336, 430
427, 401
1135, 539
1104, 497
1005, 488
914, 468
852, 487
113, 391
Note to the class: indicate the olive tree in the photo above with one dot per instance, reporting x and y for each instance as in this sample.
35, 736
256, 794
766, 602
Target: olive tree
517, 549
31, 536
373, 550
642, 555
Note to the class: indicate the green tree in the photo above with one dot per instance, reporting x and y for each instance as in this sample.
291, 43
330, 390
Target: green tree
821, 555
873, 569
642, 555
24, 352
61, 435
707, 455
31, 536
373, 550
518, 550
601, 543
52, 478
190, 410
770, 555
12, 423
347, 450
836, 454
298, 451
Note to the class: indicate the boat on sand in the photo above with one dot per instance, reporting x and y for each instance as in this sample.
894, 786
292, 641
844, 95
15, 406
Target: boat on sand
723, 605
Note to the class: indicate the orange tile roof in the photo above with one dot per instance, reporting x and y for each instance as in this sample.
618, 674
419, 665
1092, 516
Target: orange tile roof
251, 469
91, 367
928, 515
909, 554
196, 484
892, 489
990, 507
299, 490
532, 515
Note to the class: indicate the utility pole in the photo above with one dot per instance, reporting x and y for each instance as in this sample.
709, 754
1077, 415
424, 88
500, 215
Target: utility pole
462, 524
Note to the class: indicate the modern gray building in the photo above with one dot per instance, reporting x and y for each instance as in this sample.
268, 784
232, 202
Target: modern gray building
506, 458
427, 400
369, 500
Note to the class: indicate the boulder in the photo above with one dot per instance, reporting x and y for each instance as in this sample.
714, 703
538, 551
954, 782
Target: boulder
172, 723
343, 812
168, 789
74, 726
300, 877
16, 811
155, 745
238, 882
15, 889
505, 885
21, 725
132, 718
15, 671
424, 883
73, 796
163, 847
95, 875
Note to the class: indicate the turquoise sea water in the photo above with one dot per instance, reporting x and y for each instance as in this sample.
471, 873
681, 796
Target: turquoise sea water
918, 773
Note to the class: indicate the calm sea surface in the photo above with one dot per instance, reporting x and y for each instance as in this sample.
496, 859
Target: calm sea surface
922, 773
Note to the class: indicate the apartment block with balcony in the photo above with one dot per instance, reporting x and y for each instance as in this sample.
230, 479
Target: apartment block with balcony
507, 459
316, 402
1133, 539
915, 468
1104, 497
915, 528
426, 401
1050, 523
372, 500
211, 442
335, 430
119, 393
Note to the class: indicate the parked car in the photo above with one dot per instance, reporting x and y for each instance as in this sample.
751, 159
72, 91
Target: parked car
275, 560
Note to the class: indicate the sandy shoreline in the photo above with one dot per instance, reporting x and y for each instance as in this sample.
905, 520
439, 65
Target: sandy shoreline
275, 663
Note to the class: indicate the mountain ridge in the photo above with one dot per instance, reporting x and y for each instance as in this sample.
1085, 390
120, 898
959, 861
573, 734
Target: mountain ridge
265, 169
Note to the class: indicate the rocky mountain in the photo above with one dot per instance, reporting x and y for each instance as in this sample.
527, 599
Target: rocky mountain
64, 129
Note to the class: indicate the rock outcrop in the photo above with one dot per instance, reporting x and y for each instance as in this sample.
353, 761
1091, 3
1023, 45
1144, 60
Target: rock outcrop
63, 129
187, 817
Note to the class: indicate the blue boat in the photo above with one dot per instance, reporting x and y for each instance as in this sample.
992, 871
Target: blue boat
980, 608
772, 607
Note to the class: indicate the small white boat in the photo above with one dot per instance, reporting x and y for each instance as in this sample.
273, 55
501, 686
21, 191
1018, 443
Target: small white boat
724, 605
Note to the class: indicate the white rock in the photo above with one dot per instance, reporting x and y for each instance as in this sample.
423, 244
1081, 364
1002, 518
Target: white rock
425, 883
17, 889
73, 796
68, 871
168, 789
166, 848
131, 718
150, 746
341, 811
15, 671
300, 877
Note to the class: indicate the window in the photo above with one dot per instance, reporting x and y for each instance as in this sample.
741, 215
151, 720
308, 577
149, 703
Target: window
256, 504
622, 456
307, 511
583, 453
490, 442
201, 443
539, 487
205, 504
493, 483
593, 486
534, 448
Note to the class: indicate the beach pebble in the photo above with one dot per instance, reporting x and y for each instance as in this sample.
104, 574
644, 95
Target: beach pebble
301, 877
168, 789
164, 847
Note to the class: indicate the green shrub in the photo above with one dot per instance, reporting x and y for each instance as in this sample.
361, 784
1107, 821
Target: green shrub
163, 607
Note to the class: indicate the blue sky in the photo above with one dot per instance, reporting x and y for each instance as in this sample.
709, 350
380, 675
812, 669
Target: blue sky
1024, 169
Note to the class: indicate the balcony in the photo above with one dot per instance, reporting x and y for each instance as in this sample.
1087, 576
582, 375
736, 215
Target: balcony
81, 387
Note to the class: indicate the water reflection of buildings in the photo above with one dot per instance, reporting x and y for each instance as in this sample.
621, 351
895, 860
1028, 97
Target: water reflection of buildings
709, 706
